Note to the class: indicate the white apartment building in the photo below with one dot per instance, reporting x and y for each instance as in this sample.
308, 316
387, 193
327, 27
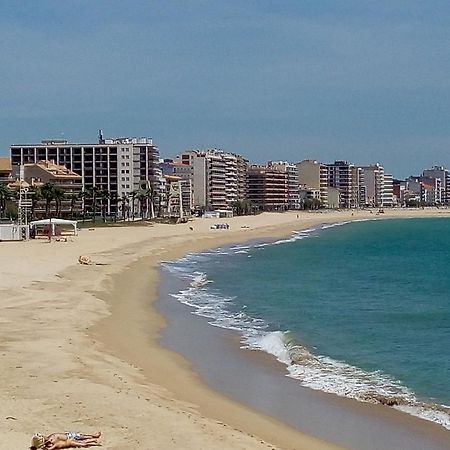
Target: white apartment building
314, 174
444, 176
292, 181
373, 182
218, 178
348, 179
387, 196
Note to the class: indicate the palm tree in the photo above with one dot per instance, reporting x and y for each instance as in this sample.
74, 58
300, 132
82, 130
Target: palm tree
142, 197
58, 195
5, 195
73, 201
93, 193
36, 195
124, 205
133, 195
114, 204
151, 195
104, 196
83, 195
48, 192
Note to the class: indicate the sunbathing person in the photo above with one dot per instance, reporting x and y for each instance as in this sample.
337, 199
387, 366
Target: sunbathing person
70, 439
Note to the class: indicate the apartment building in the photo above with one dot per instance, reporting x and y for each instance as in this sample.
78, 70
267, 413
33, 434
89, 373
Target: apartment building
268, 188
119, 166
236, 178
294, 200
388, 198
219, 178
425, 190
373, 182
36, 175
441, 173
176, 196
5, 170
313, 174
348, 179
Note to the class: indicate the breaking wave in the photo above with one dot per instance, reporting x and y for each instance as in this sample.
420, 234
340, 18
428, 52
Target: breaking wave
317, 372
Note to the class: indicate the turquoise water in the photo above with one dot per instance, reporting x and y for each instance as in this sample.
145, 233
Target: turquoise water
361, 310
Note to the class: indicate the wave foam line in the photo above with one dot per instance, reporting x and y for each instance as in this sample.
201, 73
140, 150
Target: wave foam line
335, 377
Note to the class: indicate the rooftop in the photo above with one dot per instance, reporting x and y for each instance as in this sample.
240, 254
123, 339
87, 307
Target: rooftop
5, 165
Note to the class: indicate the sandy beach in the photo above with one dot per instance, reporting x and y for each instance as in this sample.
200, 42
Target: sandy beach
79, 344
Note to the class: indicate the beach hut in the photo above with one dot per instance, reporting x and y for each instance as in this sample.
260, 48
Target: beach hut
54, 225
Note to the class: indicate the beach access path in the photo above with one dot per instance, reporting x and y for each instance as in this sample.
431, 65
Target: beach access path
79, 344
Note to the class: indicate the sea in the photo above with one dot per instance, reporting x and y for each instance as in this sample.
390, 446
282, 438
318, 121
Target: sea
358, 309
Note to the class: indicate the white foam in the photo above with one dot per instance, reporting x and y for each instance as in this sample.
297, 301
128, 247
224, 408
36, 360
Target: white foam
313, 371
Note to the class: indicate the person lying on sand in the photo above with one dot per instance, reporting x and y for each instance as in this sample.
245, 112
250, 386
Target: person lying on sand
70, 439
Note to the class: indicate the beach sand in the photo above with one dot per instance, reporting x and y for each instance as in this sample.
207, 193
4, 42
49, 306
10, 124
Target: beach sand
79, 344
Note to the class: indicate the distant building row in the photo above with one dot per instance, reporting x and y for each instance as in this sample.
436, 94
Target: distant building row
199, 180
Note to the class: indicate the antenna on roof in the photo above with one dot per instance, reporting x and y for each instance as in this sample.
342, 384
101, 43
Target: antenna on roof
100, 137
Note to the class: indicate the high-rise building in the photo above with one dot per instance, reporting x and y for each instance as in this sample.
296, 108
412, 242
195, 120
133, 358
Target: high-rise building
387, 196
444, 175
119, 166
373, 182
348, 179
219, 178
314, 174
292, 181
268, 188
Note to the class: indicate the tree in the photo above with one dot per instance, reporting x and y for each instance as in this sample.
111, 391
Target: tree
93, 194
48, 192
114, 201
5, 195
124, 205
73, 202
133, 195
83, 195
104, 196
36, 195
58, 196
243, 207
141, 196
151, 195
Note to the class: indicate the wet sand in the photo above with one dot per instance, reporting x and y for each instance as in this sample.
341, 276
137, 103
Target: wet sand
259, 381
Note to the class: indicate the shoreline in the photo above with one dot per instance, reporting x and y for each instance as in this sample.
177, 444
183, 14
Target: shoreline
217, 355
105, 362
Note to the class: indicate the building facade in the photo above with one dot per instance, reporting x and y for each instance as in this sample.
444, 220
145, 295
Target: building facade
218, 178
348, 179
291, 170
37, 175
441, 173
5, 170
268, 188
315, 175
118, 166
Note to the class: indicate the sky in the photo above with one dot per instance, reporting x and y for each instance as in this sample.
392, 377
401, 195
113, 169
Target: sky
360, 80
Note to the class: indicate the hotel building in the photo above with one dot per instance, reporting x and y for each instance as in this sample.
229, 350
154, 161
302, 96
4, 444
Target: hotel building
118, 166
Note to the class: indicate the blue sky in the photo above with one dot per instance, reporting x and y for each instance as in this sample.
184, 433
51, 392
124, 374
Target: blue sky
364, 81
